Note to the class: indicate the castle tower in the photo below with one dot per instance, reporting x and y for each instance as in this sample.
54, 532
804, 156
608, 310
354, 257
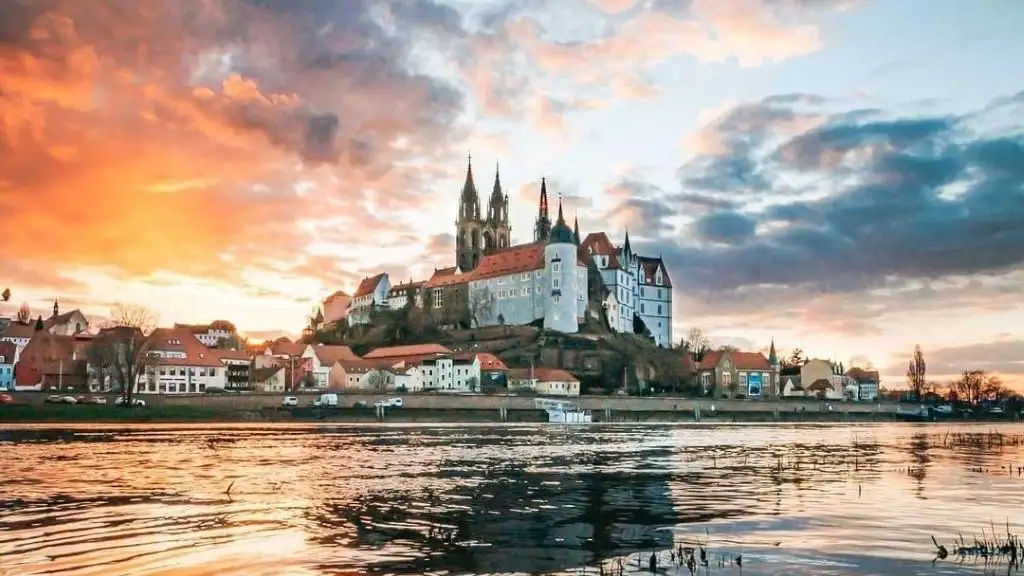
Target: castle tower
560, 313
469, 228
497, 231
542, 228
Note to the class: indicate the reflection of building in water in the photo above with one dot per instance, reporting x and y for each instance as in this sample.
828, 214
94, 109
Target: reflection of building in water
509, 521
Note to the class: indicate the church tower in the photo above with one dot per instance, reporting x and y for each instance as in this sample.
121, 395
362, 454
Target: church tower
469, 248
562, 297
497, 231
542, 229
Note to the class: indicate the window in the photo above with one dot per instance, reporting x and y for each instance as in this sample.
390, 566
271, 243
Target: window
538, 290
537, 274
174, 341
556, 265
659, 308
642, 295
525, 276
743, 380
660, 295
554, 283
556, 297
727, 379
437, 298
641, 307
705, 380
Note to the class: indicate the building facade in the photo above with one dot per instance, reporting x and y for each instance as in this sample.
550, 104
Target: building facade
179, 363
7, 353
372, 292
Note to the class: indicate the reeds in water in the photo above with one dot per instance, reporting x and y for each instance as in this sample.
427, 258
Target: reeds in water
991, 548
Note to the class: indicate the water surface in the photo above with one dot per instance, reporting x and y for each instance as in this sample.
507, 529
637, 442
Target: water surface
302, 500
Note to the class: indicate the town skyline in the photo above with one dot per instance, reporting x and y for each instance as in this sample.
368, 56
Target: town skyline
791, 161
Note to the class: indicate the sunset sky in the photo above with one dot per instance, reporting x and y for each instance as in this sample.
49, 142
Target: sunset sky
844, 176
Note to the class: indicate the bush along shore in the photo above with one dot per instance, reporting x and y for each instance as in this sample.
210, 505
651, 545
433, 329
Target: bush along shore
192, 413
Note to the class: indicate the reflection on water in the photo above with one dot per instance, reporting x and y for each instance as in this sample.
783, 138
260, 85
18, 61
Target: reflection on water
295, 500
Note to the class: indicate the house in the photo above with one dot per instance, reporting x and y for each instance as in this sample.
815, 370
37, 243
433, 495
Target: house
237, 365
405, 294
7, 352
284, 352
53, 362
335, 307
352, 373
490, 371
118, 351
66, 324
372, 292
792, 387
820, 379
408, 379
18, 334
544, 381
211, 334
178, 363
269, 379
867, 383
654, 299
731, 373
320, 359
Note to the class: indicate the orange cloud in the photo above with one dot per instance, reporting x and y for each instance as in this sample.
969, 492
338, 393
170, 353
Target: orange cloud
207, 139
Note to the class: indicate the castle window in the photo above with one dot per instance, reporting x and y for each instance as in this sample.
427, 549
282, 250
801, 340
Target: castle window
538, 289
641, 307
642, 292
525, 276
437, 298
659, 308
556, 265
554, 283
556, 297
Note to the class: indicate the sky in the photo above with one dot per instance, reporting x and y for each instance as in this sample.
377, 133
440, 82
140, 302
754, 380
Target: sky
841, 176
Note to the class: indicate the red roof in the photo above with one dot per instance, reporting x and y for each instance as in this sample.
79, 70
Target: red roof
543, 375
7, 352
741, 360
329, 354
514, 260
649, 269
336, 295
285, 347
491, 362
19, 330
182, 340
230, 354
413, 350
368, 285
597, 243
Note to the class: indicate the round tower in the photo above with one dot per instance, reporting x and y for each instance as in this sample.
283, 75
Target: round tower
560, 268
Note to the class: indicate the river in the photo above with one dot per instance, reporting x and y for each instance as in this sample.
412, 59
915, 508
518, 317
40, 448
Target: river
329, 500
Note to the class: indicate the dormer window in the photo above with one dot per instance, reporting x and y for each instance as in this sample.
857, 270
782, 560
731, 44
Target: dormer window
174, 341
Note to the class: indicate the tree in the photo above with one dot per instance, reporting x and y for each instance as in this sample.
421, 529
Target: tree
376, 380
970, 385
120, 352
796, 359
39, 323
234, 342
24, 314
916, 374
481, 306
697, 343
6, 295
473, 384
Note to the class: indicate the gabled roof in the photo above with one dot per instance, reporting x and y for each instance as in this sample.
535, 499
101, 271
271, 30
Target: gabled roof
368, 285
491, 362
18, 330
329, 354
414, 350
861, 375
355, 365
285, 347
399, 289
61, 319
263, 374
741, 360
598, 244
336, 296
230, 354
649, 270
182, 340
542, 375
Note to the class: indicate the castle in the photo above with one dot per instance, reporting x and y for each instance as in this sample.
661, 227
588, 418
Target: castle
546, 280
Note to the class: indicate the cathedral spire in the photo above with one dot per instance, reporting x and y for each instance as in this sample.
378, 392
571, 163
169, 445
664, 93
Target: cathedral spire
561, 218
542, 228
773, 359
543, 198
626, 243
576, 228
469, 202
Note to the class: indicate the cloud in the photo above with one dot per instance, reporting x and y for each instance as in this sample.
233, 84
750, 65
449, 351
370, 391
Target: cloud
1004, 357
200, 138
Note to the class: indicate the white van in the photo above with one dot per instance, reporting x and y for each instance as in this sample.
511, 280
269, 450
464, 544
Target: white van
326, 401
390, 403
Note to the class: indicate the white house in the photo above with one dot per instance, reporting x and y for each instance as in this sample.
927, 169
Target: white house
321, 359
180, 364
400, 295
654, 299
408, 379
544, 381
356, 374
269, 379
372, 291
210, 334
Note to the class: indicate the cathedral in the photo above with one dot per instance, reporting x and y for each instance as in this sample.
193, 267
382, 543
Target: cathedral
544, 281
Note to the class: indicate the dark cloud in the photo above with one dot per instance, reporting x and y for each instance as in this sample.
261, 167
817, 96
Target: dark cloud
1002, 357
905, 198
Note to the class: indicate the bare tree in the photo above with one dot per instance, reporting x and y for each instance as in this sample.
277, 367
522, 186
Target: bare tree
916, 374
24, 314
697, 343
481, 306
120, 352
377, 380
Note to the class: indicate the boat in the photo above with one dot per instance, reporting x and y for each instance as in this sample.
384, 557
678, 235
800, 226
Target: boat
563, 413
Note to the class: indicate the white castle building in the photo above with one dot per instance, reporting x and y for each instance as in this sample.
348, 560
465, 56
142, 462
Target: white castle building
546, 280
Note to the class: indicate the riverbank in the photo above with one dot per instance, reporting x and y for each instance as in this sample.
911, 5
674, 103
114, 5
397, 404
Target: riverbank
47, 413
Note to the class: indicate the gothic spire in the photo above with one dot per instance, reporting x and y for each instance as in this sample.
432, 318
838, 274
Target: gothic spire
469, 202
542, 227
773, 359
561, 219
576, 228
543, 198
56, 308
626, 244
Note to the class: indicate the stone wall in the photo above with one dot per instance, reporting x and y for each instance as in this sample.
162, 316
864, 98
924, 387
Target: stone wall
494, 402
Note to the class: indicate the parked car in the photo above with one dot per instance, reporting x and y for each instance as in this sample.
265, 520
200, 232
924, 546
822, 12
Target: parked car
995, 410
6, 399
390, 403
98, 400
944, 409
53, 399
135, 402
290, 401
361, 404
68, 400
